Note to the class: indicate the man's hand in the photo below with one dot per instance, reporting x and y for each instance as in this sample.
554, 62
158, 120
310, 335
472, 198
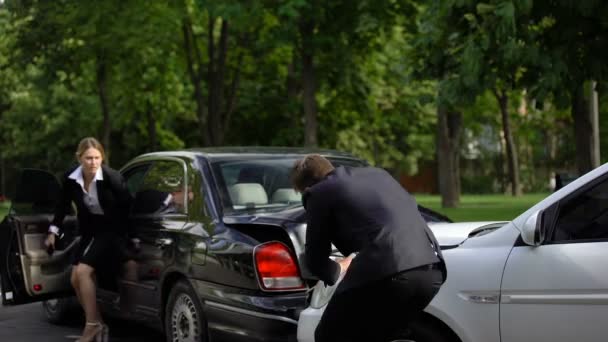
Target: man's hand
345, 263
50, 241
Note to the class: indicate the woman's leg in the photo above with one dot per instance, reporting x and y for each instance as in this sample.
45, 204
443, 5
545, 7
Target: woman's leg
88, 291
85, 275
75, 284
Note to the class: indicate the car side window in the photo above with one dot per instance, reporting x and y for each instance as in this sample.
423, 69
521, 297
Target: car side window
162, 190
134, 177
584, 217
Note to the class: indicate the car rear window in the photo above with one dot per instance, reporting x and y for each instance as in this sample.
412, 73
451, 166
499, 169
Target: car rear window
261, 183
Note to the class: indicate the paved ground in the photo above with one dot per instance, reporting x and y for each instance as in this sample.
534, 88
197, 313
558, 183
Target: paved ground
26, 323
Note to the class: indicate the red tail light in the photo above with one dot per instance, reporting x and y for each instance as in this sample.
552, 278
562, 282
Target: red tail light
277, 268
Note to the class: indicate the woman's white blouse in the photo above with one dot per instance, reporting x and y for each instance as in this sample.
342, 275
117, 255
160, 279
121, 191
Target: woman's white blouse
90, 198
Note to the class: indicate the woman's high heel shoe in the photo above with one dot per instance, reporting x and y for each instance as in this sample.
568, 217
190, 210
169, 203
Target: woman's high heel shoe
105, 333
94, 334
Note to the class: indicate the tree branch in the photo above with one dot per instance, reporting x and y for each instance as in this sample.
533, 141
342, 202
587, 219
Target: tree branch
232, 96
221, 63
187, 31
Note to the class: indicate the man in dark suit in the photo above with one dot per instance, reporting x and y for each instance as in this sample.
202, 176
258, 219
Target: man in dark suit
398, 267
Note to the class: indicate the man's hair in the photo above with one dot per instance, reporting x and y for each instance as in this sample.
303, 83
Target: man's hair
309, 170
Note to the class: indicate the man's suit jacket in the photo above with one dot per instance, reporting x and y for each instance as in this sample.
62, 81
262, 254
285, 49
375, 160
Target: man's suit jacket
365, 210
114, 199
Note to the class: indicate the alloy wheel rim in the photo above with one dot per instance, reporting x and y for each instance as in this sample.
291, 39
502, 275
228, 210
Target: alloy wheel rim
51, 305
184, 320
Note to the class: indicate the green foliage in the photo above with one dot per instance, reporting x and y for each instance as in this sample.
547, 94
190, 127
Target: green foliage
379, 66
391, 121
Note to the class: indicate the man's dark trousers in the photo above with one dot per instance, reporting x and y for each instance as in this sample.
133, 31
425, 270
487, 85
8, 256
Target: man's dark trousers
378, 311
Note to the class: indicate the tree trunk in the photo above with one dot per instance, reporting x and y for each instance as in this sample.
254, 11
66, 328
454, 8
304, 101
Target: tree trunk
582, 131
215, 85
152, 140
195, 70
102, 75
212, 83
512, 162
309, 84
293, 113
595, 126
232, 98
449, 126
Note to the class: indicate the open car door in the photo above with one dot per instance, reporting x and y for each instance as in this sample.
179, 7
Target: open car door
28, 273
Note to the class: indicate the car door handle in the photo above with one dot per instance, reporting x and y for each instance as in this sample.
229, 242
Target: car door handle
163, 242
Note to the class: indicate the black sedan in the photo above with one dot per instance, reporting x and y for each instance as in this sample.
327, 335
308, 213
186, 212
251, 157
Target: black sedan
220, 263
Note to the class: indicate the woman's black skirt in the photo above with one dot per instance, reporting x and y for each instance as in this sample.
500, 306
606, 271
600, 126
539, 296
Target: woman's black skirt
101, 251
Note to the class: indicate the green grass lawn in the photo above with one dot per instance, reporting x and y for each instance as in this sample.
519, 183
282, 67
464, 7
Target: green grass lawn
482, 207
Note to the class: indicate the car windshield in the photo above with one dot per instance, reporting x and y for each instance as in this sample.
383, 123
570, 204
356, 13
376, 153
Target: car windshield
261, 183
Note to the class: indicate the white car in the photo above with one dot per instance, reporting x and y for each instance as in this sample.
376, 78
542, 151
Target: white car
449, 235
541, 277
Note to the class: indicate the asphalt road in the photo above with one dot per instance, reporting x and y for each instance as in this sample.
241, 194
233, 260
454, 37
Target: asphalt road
27, 323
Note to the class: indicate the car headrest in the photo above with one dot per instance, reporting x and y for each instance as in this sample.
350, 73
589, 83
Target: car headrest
286, 195
247, 193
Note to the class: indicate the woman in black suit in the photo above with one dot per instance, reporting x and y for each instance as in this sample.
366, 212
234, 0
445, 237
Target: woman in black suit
102, 201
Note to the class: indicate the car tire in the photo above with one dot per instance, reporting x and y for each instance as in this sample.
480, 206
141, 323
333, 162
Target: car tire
184, 318
61, 310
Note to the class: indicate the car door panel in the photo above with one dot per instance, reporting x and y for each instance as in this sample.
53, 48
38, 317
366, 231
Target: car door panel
558, 291
155, 255
555, 293
153, 222
29, 272
51, 271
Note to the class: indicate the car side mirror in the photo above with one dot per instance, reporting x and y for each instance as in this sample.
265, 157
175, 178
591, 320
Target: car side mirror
532, 232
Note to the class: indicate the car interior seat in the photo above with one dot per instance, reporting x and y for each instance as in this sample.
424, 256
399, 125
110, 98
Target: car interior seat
248, 194
286, 195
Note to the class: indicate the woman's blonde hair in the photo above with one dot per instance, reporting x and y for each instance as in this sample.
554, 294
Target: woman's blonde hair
87, 143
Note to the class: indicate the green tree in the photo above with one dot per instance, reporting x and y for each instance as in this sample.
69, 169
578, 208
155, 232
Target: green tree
328, 39
437, 56
571, 44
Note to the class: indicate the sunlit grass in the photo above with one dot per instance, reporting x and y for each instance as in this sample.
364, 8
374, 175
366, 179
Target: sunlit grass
482, 207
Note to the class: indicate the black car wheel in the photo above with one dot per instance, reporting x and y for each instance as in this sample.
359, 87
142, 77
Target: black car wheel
61, 310
184, 321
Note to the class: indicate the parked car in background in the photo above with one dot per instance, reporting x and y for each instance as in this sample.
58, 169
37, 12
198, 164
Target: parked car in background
225, 263
541, 277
